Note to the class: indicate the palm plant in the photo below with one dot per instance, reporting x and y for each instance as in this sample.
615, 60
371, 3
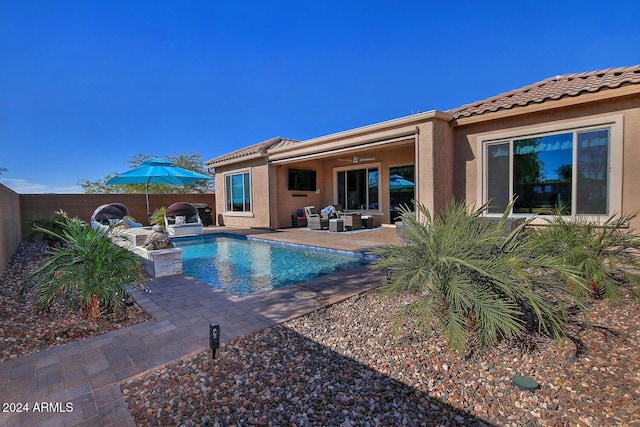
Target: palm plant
474, 280
51, 223
87, 267
595, 251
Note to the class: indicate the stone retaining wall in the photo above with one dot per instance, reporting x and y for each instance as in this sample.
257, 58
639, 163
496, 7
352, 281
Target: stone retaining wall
157, 263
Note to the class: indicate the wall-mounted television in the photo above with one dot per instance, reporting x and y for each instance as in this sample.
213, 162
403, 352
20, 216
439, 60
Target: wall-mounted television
302, 180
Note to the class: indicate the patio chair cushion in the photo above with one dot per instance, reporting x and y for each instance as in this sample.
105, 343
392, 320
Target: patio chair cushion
131, 223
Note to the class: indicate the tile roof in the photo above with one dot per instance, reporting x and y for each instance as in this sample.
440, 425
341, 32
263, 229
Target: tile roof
554, 88
255, 149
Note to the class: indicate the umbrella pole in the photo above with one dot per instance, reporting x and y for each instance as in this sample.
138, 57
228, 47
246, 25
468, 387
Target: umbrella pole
148, 210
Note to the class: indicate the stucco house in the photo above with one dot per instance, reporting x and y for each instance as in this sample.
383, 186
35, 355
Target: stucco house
573, 139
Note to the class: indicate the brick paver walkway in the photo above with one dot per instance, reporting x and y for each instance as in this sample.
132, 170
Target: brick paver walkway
78, 384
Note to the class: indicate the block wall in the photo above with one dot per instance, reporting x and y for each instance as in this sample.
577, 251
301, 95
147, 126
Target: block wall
10, 224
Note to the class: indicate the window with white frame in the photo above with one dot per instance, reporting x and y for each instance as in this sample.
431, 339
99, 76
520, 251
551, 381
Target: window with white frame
237, 187
357, 188
568, 169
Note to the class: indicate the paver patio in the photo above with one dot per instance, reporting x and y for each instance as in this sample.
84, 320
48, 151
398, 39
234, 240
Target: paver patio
87, 374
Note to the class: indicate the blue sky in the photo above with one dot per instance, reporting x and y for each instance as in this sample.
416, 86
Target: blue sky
85, 85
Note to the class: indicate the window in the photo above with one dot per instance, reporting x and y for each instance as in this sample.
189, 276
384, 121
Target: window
358, 189
569, 169
238, 192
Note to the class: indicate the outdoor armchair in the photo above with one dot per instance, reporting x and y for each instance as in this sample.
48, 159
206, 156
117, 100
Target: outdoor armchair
315, 220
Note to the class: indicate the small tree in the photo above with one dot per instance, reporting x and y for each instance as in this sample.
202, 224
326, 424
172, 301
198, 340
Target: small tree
87, 267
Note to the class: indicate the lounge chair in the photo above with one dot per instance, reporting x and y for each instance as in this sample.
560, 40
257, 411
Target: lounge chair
315, 220
108, 215
182, 218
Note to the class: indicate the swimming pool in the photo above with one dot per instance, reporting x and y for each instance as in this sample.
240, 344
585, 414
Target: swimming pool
244, 266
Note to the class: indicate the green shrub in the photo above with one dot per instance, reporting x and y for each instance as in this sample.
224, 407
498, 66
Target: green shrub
475, 281
157, 217
595, 251
87, 268
51, 223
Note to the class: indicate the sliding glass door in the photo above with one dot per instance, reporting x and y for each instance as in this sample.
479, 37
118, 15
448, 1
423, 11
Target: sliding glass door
401, 189
358, 188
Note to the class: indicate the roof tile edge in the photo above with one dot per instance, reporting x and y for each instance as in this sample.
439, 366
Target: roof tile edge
552, 89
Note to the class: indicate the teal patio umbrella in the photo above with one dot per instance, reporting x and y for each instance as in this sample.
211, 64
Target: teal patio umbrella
157, 171
396, 182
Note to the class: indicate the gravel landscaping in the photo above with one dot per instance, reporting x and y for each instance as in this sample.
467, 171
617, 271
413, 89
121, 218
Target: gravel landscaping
25, 329
343, 366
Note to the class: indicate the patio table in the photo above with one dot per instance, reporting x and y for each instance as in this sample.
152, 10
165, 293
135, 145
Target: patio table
352, 221
336, 225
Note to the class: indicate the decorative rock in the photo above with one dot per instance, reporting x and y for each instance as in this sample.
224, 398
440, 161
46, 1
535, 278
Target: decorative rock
343, 364
157, 239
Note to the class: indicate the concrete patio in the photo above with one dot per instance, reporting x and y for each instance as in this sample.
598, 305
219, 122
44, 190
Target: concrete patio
87, 374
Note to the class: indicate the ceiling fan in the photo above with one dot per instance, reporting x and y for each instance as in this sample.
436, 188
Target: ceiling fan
357, 159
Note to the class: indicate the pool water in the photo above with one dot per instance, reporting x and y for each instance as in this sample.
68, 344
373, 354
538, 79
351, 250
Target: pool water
244, 266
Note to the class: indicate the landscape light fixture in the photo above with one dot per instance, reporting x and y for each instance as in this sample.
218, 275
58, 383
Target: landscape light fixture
525, 383
214, 338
